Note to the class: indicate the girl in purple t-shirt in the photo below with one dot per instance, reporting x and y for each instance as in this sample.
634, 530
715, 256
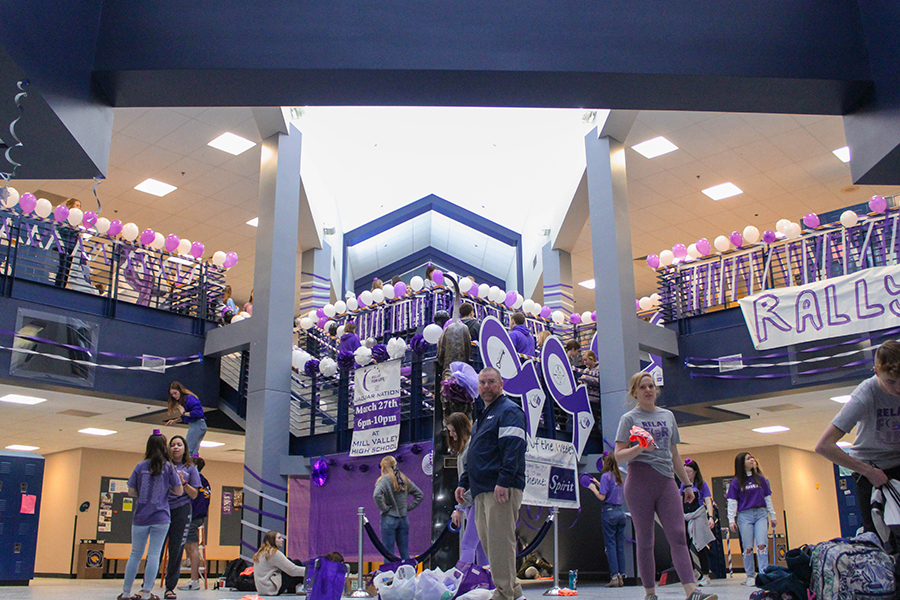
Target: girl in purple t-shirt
150, 483
698, 520
749, 505
609, 491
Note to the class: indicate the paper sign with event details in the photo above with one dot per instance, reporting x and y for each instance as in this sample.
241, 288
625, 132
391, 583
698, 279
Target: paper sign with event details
376, 419
551, 474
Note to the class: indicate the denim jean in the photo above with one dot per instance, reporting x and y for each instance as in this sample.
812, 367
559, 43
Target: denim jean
195, 434
139, 536
754, 527
395, 529
613, 519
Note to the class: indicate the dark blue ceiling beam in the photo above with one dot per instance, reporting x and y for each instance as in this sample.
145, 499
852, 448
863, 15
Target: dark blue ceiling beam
419, 258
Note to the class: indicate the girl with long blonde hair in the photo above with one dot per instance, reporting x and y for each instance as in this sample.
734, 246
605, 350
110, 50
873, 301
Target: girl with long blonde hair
392, 491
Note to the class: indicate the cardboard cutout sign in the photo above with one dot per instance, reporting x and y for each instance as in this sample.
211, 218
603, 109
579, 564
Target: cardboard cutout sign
570, 397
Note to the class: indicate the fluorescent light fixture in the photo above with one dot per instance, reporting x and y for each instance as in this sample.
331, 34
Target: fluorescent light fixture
22, 448
17, 399
157, 188
772, 429
841, 399
254, 222
655, 147
841, 444
231, 143
95, 431
205, 444
842, 153
589, 284
723, 190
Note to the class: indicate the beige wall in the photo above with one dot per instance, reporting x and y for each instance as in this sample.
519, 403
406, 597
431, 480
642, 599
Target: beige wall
73, 476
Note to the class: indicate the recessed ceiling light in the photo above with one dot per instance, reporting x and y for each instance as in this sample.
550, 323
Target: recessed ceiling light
723, 190
22, 448
205, 444
17, 399
842, 153
655, 147
232, 144
844, 444
254, 222
841, 399
157, 188
95, 431
589, 284
772, 429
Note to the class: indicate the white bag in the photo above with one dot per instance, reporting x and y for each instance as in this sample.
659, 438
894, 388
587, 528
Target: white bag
429, 585
397, 586
476, 594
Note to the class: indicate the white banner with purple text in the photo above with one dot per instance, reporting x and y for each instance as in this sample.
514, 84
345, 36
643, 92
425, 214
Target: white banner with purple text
376, 405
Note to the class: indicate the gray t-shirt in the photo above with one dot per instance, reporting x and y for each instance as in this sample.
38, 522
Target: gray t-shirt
877, 416
662, 426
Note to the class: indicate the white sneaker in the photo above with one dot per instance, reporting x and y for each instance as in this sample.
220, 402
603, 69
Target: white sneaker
698, 595
191, 585
703, 580
751, 581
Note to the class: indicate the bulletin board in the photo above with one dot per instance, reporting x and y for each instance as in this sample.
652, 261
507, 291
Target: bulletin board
230, 523
116, 511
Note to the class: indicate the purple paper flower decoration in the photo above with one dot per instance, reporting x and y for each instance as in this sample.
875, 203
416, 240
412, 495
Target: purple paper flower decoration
319, 473
452, 391
348, 467
363, 468
311, 368
418, 344
345, 360
380, 353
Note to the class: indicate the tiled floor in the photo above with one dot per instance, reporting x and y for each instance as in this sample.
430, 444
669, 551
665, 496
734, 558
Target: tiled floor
108, 589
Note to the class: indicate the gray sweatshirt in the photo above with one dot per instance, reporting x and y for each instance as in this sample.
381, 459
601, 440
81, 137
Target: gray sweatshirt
267, 573
395, 504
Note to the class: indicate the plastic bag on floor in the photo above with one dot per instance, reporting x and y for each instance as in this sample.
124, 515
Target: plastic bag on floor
476, 594
397, 586
430, 585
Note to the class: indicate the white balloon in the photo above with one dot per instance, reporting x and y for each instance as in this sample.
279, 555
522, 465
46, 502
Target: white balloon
722, 243
352, 304
313, 315
244, 314
75, 217
340, 307
184, 246
236, 318
296, 358
655, 298
465, 284
666, 257
362, 356
44, 207
12, 197
432, 333
328, 366
158, 242
340, 331
536, 309
328, 325
416, 283
693, 252
389, 292
794, 231
645, 303
130, 231
558, 316
527, 306
751, 234
849, 218
329, 311
519, 301
218, 257
782, 225
496, 294
484, 290
378, 296
586, 317
366, 297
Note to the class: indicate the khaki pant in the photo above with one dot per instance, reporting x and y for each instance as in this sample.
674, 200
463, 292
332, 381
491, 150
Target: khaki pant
496, 525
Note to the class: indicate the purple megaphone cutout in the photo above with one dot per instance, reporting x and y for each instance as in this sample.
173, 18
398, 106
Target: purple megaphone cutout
570, 397
497, 351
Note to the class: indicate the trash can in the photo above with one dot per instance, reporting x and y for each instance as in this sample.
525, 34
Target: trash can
90, 560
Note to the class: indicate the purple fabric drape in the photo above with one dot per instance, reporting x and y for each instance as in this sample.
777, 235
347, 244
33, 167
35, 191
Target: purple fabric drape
298, 518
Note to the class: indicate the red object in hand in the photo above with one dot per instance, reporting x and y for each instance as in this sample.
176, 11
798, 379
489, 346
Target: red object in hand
641, 436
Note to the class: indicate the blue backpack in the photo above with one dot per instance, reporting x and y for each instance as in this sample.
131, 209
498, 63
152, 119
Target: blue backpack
854, 569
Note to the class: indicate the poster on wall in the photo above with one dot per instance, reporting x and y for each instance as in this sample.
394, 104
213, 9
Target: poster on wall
230, 520
376, 420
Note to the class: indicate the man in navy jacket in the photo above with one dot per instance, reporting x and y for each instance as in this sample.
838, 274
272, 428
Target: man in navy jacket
495, 473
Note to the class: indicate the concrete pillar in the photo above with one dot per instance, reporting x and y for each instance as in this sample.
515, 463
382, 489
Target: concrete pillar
269, 385
557, 278
315, 279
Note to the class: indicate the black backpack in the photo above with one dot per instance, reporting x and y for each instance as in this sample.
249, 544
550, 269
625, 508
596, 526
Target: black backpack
233, 571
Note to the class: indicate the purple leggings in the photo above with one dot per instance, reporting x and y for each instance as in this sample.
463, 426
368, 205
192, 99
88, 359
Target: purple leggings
471, 550
648, 491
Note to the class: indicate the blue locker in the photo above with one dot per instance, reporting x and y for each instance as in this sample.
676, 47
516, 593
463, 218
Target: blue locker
21, 478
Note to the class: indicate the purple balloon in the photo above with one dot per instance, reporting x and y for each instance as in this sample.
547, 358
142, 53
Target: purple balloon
653, 261
172, 242
90, 218
115, 228
197, 249
769, 237
737, 239
359, 300
27, 202
230, 260
811, 220
437, 276
594, 316
545, 312
399, 289
322, 322
510, 299
703, 246
575, 319
147, 236
876, 203
679, 251
637, 305
61, 213
585, 480
320, 312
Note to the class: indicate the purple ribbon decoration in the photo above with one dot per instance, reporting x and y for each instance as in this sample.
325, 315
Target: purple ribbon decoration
570, 397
